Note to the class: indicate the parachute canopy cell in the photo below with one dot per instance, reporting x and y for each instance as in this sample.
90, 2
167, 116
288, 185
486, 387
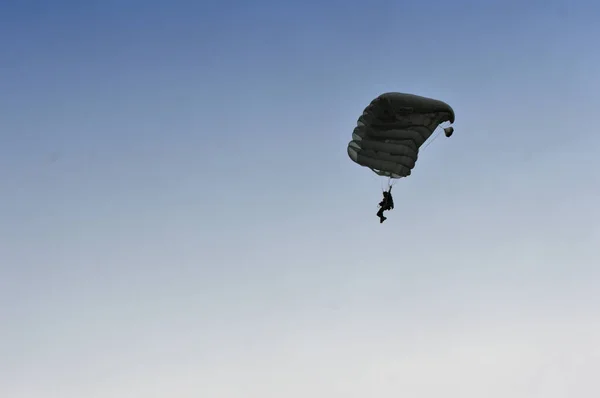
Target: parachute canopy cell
392, 129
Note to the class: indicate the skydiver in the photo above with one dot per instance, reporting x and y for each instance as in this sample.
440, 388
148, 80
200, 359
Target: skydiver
386, 204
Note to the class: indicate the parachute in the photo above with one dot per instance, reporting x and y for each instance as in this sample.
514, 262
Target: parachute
392, 129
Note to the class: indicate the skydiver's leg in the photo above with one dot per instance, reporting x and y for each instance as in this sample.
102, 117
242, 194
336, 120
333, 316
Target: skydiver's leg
382, 218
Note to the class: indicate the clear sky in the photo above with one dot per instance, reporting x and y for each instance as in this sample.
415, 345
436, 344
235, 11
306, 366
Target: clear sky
179, 217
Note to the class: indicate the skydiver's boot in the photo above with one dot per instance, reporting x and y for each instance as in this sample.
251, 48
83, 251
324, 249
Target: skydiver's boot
382, 219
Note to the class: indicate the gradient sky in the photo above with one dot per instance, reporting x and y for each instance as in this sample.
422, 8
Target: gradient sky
179, 217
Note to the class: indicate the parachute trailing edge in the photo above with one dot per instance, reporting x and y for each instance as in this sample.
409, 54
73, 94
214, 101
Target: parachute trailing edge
392, 129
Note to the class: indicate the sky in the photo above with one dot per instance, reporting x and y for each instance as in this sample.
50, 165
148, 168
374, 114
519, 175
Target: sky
179, 216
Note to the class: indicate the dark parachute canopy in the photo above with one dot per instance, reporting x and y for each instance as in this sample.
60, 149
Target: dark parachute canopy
392, 129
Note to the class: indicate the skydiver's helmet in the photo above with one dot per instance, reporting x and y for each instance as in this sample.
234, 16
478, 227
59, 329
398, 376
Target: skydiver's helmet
448, 131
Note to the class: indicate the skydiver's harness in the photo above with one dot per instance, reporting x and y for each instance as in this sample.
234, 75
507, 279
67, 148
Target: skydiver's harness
388, 202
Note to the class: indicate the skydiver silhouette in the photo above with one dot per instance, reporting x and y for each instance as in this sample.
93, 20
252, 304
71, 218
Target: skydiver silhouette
386, 204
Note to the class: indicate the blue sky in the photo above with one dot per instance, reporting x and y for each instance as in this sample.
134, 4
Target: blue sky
179, 216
